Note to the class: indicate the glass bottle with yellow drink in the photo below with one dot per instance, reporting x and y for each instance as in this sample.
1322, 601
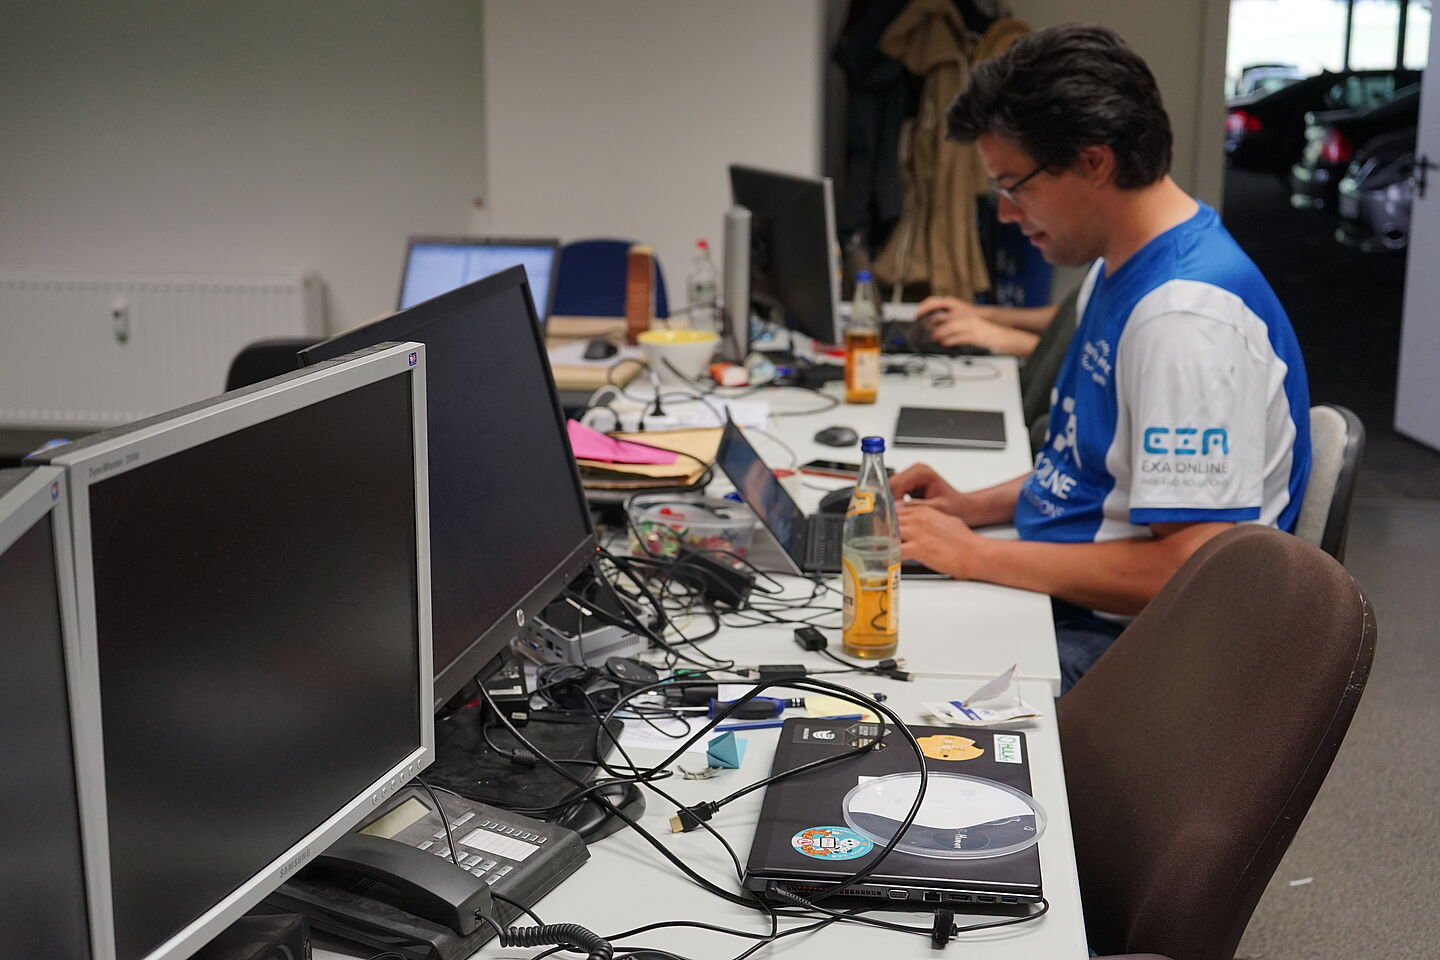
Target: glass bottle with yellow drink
862, 343
870, 561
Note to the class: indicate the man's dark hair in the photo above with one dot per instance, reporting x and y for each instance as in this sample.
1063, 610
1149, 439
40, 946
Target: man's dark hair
1066, 87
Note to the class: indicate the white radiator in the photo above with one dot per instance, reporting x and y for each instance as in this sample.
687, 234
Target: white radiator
96, 350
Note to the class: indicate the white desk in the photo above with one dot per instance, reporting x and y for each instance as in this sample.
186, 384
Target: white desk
946, 629
951, 633
627, 884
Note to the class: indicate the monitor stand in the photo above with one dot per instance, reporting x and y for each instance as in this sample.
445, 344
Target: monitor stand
478, 757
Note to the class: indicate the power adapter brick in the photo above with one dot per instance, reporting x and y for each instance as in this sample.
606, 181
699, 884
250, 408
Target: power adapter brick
716, 580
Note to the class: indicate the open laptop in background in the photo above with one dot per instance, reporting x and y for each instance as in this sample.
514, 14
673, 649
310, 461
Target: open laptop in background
436, 265
810, 544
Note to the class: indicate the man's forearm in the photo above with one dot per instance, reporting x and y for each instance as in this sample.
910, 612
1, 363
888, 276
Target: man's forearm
991, 505
1119, 576
1030, 319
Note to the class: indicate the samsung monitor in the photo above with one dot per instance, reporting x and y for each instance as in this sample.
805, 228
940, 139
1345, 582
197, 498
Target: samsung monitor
252, 593
436, 265
50, 826
794, 251
509, 526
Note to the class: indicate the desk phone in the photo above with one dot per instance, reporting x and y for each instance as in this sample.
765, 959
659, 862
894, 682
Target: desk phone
517, 857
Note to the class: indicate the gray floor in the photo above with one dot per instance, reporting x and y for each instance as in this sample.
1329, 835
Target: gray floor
1361, 876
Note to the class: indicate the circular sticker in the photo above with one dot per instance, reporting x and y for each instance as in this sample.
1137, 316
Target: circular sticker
946, 746
831, 843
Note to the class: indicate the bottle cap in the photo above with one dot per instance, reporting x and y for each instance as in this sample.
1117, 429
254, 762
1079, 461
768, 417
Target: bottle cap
872, 445
863, 276
702, 245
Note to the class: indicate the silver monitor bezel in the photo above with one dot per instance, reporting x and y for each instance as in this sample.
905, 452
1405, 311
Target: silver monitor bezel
46, 491
113, 455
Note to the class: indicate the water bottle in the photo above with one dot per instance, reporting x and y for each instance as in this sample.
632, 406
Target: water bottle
701, 286
862, 343
870, 561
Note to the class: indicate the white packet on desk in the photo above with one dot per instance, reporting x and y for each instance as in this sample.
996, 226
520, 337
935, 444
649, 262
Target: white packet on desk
996, 701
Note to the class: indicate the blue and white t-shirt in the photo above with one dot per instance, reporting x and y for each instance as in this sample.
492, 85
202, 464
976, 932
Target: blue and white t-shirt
1182, 398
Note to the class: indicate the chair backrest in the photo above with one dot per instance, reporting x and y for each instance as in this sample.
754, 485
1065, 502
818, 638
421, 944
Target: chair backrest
264, 359
1038, 372
590, 280
1337, 442
1194, 746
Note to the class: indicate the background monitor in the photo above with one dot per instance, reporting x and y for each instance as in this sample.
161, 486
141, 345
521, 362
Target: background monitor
252, 591
436, 265
509, 523
46, 861
794, 260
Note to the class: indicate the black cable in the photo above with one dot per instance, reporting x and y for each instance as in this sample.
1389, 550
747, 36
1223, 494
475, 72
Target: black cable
626, 818
518, 906
444, 819
823, 686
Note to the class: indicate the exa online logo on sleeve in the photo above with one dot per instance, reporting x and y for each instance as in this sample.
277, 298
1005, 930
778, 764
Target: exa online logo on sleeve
1186, 441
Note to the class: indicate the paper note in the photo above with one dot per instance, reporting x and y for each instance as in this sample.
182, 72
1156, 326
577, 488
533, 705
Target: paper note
590, 445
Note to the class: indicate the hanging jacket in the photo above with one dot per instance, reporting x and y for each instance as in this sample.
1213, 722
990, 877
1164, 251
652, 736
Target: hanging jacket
881, 94
935, 241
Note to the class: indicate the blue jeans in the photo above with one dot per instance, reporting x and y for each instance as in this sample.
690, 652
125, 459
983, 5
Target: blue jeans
1080, 639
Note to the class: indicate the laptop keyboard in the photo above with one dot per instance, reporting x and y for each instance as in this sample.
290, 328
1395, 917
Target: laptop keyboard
828, 532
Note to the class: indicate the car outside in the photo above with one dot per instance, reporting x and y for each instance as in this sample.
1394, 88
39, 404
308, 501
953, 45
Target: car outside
1265, 131
1266, 78
1332, 138
1376, 192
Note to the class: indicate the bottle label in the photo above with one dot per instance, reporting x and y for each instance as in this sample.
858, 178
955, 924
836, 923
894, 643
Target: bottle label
861, 501
866, 375
869, 609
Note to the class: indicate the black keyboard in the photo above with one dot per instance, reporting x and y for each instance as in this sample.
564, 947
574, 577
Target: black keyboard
912, 336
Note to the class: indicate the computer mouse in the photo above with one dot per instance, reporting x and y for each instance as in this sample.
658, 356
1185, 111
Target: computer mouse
836, 501
837, 437
593, 821
599, 349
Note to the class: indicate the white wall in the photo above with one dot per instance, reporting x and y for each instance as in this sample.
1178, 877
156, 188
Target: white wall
618, 118
258, 136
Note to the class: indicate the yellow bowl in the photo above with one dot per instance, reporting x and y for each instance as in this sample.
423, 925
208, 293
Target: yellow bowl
678, 355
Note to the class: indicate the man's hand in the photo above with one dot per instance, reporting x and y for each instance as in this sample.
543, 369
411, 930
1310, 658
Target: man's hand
958, 323
941, 542
954, 322
922, 483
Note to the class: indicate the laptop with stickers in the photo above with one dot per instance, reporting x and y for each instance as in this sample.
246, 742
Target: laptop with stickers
810, 837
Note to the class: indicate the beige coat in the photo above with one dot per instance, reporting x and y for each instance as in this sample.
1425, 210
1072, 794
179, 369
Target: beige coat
936, 240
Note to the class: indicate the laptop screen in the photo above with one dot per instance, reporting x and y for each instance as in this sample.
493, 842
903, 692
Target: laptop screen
438, 265
760, 490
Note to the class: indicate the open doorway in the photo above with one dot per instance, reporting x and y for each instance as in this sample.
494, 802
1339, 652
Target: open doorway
1321, 110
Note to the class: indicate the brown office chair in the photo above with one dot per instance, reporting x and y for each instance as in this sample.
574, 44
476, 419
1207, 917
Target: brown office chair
1195, 745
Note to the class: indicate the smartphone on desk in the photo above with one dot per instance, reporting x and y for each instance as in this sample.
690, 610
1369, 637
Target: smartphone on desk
837, 468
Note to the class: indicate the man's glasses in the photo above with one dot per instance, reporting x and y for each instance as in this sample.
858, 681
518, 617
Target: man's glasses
1009, 192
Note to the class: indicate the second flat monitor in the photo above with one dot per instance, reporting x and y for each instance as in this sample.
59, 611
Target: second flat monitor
436, 265
509, 527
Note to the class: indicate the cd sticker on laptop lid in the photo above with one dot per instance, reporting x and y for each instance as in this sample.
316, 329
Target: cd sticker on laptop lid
960, 817
831, 843
945, 746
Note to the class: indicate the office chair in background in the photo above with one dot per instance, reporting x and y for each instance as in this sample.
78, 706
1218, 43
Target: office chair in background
1195, 745
1337, 442
1039, 370
590, 280
264, 359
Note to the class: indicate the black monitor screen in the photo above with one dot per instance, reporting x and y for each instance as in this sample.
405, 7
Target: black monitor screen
42, 879
792, 248
508, 520
256, 626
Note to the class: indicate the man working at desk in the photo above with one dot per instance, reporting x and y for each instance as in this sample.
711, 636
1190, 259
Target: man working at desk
1181, 408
